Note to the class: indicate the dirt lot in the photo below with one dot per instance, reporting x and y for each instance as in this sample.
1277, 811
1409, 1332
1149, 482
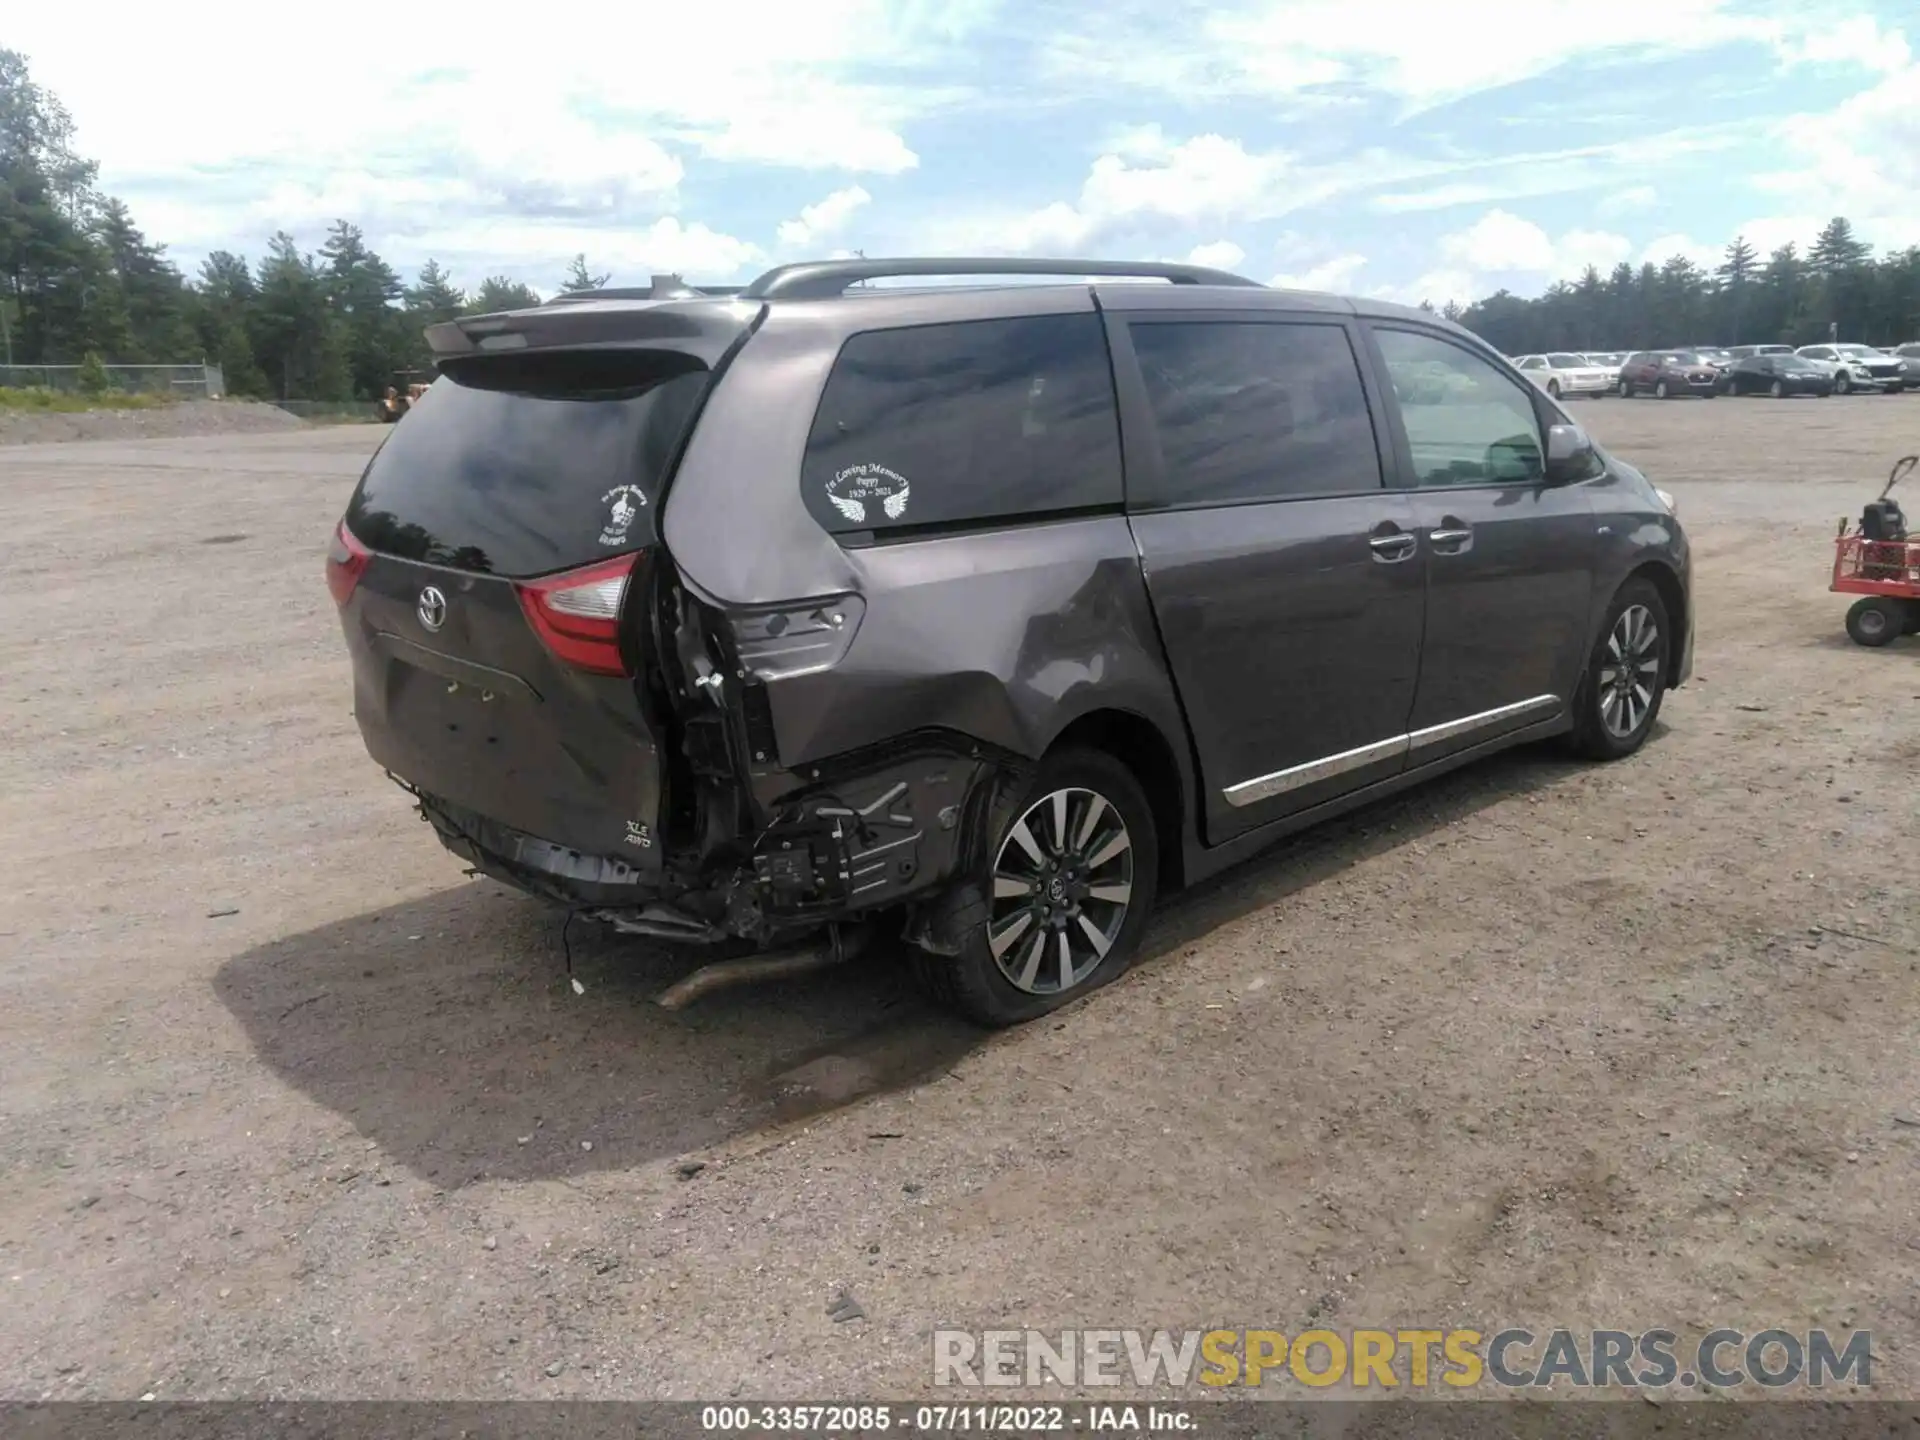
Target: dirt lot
290, 1107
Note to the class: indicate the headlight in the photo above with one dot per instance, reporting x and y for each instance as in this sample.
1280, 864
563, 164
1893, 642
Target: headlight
1666, 499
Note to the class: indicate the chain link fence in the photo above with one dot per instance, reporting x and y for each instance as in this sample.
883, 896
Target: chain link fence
182, 382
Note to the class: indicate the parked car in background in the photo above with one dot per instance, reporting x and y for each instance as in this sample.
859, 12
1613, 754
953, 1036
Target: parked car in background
1859, 367
1909, 356
1609, 361
1721, 360
1741, 352
767, 617
1779, 376
1666, 373
1562, 373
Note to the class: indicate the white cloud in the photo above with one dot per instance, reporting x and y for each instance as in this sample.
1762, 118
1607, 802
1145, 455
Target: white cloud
1422, 54
1335, 274
1207, 179
474, 127
1855, 40
1861, 159
1629, 201
667, 246
828, 217
1502, 243
1220, 255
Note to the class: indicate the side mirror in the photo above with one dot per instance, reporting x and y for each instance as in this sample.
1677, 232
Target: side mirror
1570, 455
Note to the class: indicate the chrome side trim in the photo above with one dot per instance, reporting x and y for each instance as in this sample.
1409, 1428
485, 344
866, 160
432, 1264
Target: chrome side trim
1265, 787
1249, 792
1466, 724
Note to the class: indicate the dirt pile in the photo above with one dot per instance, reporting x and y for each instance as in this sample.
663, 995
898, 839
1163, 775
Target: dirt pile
190, 417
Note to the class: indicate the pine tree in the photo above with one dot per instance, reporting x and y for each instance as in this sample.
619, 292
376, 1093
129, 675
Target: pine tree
498, 293
153, 291
1837, 249
1736, 272
580, 278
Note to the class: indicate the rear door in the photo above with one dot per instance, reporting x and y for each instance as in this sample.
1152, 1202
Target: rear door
1284, 573
497, 626
1510, 558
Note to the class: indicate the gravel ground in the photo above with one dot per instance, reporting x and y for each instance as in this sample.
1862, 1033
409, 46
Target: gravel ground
289, 1107
189, 417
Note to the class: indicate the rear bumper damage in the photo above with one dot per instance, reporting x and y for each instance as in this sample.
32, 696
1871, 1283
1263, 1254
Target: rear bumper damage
853, 840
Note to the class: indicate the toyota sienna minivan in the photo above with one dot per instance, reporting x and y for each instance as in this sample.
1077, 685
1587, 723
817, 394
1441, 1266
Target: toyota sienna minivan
989, 610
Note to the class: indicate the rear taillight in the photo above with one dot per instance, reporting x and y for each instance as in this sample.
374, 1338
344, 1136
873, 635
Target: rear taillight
577, 615
345, 564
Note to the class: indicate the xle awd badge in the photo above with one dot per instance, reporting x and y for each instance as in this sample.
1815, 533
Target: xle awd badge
432, 608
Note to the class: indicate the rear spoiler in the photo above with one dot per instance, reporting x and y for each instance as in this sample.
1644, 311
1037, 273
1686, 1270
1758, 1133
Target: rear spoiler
704, 326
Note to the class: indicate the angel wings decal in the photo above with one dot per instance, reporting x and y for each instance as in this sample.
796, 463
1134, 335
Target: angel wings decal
853, 490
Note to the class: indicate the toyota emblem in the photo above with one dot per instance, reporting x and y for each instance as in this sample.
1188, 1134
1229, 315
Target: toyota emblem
432, 608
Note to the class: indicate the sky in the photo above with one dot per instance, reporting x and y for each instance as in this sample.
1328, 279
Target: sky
1406, 149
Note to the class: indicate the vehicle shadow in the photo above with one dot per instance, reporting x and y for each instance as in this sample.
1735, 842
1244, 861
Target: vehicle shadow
1319, 853
447, 1031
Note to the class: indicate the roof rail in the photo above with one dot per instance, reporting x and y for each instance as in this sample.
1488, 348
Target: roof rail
664, 287
826, 279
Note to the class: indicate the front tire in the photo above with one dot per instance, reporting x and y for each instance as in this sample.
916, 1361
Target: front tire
1626, 389
1553, 388
1069, 885
1626, 677
1842, 384
1660, 391
1777, 390
1875, 621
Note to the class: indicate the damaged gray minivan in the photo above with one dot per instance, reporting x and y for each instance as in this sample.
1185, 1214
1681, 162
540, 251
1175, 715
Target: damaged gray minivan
989, 610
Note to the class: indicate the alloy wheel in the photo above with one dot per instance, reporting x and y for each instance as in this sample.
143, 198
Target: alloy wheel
1779, 390
1629, 671
1062, 884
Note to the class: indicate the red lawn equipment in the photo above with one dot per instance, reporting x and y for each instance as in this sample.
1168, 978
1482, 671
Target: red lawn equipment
1881, 564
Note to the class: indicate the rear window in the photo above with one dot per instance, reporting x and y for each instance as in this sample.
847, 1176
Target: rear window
966, 423
528, 465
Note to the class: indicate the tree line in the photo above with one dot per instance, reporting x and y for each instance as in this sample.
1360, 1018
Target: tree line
80, 283
1836, 287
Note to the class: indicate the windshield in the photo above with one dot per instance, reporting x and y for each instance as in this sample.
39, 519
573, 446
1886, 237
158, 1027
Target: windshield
1856, 350
1793, 364
1565, 362
1678, 357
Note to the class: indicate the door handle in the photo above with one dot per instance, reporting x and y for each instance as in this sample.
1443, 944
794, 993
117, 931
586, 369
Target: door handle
1392, 547
1452, 537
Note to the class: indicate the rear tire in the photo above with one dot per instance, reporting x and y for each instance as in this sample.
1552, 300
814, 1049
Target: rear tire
1626, 676
1078, 922
1875, 621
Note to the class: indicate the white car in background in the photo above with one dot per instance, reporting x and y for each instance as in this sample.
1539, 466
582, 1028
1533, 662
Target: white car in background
1609, 361
1561, 373
1859, 367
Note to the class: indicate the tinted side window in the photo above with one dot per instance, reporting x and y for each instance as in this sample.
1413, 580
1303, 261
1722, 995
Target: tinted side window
1478, 427
977, 420
1248, 411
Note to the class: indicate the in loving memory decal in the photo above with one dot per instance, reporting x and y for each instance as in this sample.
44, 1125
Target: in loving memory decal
857, 487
